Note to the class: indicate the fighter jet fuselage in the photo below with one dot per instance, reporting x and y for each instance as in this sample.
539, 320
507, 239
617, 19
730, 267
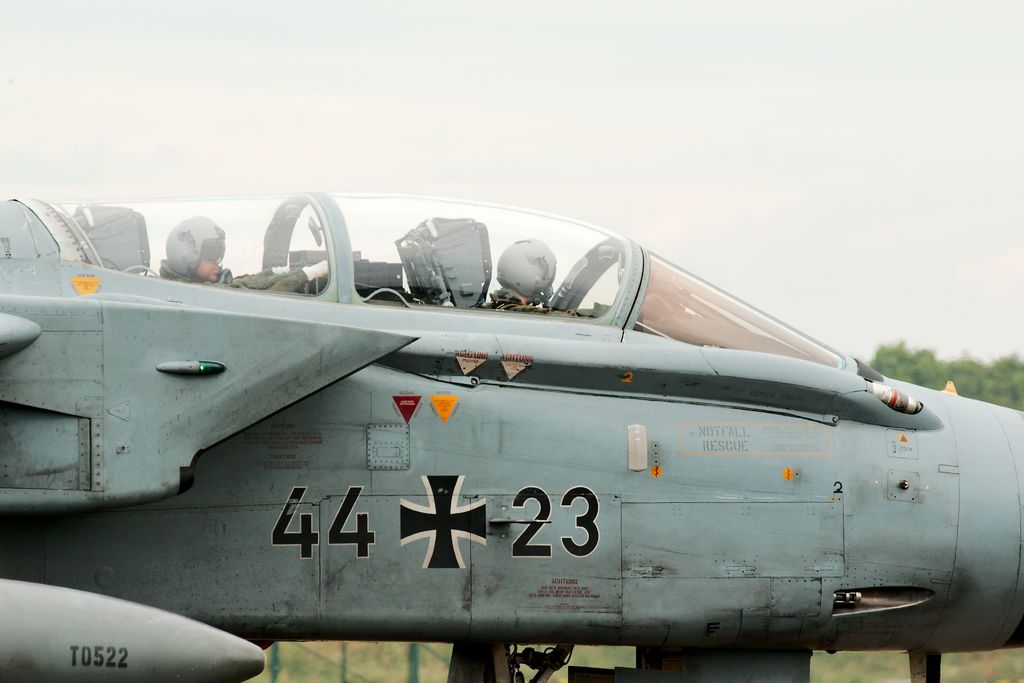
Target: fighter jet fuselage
398, 418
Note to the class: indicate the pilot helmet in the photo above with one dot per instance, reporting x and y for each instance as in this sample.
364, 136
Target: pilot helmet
194, 240
528, 268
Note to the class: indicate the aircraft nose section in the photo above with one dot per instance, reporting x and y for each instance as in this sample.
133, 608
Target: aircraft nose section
984, 601
1012, 422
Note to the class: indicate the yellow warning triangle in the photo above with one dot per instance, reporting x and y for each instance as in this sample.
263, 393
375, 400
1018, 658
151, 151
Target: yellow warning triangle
950, 388
444, 405
85, 284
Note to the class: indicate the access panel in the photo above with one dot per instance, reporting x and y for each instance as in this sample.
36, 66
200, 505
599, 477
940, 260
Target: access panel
730, 539
549, 555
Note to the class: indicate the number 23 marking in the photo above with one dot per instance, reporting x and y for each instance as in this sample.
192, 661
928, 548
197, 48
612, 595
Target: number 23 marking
587, 521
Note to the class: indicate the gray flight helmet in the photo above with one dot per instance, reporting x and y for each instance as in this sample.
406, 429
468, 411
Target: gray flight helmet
528, 268
191, 241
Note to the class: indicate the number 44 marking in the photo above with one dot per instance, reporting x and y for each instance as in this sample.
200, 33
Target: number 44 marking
362, 538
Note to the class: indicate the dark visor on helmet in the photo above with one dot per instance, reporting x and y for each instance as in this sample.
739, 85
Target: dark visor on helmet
212, 249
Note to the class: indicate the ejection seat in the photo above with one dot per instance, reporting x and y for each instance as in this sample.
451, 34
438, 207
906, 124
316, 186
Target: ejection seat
447, 262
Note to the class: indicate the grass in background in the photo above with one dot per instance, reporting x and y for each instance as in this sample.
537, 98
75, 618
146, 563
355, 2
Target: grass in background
320, 662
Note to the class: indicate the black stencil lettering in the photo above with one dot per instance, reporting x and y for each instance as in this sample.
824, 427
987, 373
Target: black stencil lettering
362, 538
305, 537
522, 546
586, 521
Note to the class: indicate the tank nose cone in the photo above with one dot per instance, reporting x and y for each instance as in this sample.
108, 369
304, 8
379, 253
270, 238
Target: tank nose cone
57, 634
236, 660
208, 655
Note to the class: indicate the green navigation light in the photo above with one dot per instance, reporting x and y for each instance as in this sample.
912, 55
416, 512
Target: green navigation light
209, 367
191, 367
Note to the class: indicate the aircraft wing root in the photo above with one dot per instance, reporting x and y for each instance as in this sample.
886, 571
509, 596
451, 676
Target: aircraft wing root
124, 427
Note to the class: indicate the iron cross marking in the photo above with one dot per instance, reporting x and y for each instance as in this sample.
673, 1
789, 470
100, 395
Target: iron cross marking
443, 522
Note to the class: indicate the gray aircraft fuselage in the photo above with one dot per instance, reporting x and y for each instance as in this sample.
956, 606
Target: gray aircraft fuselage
347, 477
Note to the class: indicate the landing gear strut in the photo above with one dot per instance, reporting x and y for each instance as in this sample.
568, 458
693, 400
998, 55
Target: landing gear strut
501, 663
544, 662
925, 668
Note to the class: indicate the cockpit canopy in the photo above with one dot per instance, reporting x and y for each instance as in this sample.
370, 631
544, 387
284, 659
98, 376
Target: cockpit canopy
679, 306
416, 253
406, 251
168, 238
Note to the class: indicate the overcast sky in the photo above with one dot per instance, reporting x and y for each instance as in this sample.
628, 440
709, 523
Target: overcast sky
855, 169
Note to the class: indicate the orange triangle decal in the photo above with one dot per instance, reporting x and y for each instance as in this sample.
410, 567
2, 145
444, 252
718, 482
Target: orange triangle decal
85, 284
444, 405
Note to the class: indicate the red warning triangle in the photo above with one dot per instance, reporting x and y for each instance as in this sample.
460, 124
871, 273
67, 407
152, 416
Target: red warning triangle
406, 405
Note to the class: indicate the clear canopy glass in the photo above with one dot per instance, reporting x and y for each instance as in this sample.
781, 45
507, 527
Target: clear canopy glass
256, 244
418, 251
414, 252
680, 306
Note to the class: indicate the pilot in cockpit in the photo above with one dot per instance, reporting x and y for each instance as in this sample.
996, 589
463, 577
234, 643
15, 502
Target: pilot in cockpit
195, 250
526, 271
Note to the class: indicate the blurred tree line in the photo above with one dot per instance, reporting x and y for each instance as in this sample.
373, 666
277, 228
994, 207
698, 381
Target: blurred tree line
1000, 382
